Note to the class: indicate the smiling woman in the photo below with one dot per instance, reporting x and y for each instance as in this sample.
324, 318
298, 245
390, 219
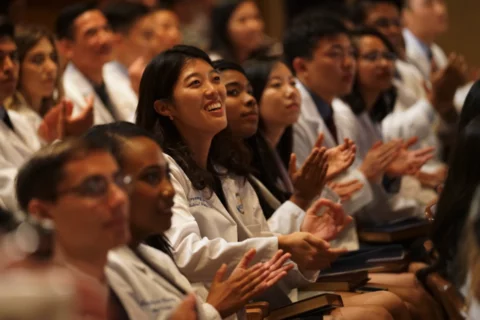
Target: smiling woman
181, 100
38, 86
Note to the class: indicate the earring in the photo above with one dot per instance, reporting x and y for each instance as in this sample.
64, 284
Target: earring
170, 117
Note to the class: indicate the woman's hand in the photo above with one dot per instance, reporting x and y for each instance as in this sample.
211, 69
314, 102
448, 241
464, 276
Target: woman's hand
230, 295
379, 158
59, 123
187, 310
340, 158
327, 225
308, 182
409, 162
345, 190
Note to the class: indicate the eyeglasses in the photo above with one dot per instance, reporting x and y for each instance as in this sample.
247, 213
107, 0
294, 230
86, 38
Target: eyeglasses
97, 186
376, 56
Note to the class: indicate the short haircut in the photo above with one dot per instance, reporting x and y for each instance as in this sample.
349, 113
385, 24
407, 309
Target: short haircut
360, 8
66, 19
123, 15
6, 28
302, 38
40, 176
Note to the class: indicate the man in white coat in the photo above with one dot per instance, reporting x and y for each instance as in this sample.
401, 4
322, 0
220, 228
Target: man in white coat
425, 21
319, 51
18, 140
86, 40
133, 26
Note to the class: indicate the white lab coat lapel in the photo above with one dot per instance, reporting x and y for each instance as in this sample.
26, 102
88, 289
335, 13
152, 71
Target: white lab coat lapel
309, 125
120, 91
78, 88
144, 293
417, 56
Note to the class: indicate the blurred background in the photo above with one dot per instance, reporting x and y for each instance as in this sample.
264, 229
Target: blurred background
462, 35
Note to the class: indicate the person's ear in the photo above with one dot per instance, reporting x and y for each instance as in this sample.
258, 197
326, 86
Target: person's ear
65, 48
39, 209
299, 66
164, 108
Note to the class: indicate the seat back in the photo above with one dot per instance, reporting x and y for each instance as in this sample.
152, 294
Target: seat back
446, 294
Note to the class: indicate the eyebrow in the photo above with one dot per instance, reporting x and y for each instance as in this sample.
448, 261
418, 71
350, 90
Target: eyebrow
197, 74
234, 83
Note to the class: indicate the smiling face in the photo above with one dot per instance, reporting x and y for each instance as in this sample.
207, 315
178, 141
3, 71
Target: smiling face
39, 71
242, 110
280, 102
151, 198
198, 106
376, 64
92, 44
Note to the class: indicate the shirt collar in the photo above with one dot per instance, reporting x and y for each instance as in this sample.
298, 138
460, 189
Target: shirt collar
425, 47
325, 110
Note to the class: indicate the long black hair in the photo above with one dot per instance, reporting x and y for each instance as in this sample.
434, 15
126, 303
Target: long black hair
258, 71
471, 106
386, 101
112, 136
158, 83
460, 185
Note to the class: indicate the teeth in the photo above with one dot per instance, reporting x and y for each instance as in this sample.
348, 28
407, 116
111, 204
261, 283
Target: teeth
214, 106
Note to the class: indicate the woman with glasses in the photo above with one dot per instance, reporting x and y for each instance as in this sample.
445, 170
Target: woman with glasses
361, 113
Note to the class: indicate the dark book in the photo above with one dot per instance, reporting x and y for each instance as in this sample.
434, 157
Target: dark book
311, 308
339, 281
401, 230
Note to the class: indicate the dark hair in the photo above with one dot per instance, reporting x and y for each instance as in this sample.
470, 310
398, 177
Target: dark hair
111, 136
224, 65
302, 38
68, 15
158, 83
386, 101
471, 106
8, 222
6, 28
123, 15
40, 176
28, 36
360, 9
460, 185
264, 159
258, 71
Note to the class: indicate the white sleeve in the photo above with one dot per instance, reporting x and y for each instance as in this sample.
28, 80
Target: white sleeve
199, 257
8, 173
286, 219
417, 121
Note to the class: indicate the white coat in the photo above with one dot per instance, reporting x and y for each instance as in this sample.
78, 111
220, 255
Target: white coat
205, 235
309, 125
416, 56
16, 147
78, 88
20, 105
413, 114
364, 132
145, 294
117, 73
